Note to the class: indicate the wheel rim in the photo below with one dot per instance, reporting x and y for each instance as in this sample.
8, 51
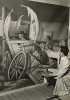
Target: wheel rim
17, 67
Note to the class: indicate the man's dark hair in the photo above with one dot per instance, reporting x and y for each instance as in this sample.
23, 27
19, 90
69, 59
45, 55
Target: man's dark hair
65, 50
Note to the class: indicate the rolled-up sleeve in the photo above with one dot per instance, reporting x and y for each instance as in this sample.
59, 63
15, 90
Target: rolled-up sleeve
52, 54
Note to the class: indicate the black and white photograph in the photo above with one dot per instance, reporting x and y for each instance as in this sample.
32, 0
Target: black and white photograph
34, 49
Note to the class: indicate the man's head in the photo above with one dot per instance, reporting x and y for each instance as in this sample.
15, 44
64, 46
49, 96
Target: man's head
64, 50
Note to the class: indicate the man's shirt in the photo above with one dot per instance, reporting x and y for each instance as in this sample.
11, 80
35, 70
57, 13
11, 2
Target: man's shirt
62, 64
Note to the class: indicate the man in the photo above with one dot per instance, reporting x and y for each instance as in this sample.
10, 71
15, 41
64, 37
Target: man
63, 64
40, 55
61, 57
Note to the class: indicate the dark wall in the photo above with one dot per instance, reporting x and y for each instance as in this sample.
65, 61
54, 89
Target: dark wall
49, 12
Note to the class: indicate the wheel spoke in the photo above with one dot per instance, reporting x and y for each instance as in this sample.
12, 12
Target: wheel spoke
16, 75
12, 75
19, 63
19, 71
20, 75
20, 60
12, 71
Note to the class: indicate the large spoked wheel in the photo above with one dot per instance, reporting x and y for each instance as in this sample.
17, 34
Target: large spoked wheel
17, 67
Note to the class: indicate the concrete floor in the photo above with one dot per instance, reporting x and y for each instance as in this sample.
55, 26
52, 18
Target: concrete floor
23, 91
34, 92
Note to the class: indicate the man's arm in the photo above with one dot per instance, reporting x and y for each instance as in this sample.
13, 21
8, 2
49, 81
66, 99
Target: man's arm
52, 54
